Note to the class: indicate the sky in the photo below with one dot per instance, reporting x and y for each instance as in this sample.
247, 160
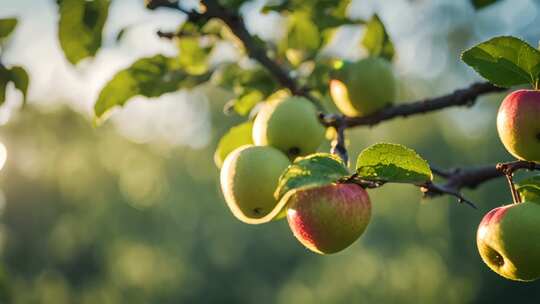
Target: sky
419, 29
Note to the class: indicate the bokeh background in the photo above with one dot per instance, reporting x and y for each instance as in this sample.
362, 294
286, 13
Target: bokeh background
131, 212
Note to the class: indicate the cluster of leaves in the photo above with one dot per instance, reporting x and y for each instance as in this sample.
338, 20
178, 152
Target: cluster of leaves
15, 74
309, 27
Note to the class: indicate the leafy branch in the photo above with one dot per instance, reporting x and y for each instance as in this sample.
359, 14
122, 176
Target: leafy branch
455, 179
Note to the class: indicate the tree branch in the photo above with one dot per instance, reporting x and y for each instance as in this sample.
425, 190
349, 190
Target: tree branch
235, 22
461, 97
456, 179
254, 50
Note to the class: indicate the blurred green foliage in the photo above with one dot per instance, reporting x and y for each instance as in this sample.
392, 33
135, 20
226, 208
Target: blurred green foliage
7, 25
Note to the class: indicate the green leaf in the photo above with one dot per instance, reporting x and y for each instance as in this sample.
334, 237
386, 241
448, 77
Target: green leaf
243, 104
505, 61
18, 76
80, 27
340, 10
479, 4
311, 171
376, 40
237, 136
529, 189
150, 77
7, 26
392, 163
20, 79
193, 57
302, 33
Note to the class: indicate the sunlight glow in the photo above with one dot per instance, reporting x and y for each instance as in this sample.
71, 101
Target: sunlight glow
3, 155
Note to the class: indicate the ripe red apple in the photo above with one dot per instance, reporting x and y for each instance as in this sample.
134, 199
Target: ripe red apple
329, 218
518, 123
509, 242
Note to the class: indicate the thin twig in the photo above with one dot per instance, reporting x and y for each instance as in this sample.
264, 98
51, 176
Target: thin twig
431, 188
338, 144
508, 170
459, 178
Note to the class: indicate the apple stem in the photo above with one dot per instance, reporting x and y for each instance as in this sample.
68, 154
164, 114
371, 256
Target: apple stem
516, 198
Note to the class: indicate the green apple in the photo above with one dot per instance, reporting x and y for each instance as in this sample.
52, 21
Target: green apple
249, 177
289, 124
327, 219
518, 123
363, 87
509, 242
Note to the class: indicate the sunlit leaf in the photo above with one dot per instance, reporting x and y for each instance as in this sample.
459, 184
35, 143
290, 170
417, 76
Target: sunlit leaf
237, 136
505, 61
310, 171
529, 189
150, 77
302, 33
395, 163
7, 26
243, 104
18, 76
80, 27
376, 40
193, 57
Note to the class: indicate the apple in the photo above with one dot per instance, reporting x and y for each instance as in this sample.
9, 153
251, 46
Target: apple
518, 123
363, 87
509, 242
249, 177
327, 219
289, 124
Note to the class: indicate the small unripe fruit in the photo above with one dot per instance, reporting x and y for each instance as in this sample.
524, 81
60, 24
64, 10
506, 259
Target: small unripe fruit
249, 177
328, 219
518, 123
363, 87
509, 242
289, 124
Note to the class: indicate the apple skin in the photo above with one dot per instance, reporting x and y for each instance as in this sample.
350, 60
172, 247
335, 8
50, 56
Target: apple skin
363, 87
328, 219
289, 124
518, 124
249, 177
509, 243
